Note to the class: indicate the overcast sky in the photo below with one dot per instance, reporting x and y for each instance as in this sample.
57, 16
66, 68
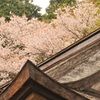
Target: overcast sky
43, 4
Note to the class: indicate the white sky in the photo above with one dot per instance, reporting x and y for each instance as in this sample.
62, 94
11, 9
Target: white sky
43, 4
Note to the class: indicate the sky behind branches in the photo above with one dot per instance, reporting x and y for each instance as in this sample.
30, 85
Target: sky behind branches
43, 4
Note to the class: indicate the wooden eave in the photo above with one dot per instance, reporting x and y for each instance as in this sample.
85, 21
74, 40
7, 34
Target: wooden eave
31, 79
89, 85
73, 50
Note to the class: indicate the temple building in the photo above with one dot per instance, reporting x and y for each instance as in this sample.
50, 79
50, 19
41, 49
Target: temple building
71, 74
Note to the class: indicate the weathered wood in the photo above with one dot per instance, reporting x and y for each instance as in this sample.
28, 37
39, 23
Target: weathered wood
86, 82
70, 50
96, 86
52, 85
86, 85
71, 62
72, 56
15, 85
34, 96
32, 80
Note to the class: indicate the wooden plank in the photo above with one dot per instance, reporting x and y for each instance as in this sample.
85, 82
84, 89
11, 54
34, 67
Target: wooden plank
72, 49
34, 96
32, 79
86, 82
87, 85
44, 80
16, 84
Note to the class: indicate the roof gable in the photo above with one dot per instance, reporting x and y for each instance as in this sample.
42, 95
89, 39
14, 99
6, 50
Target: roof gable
32, 80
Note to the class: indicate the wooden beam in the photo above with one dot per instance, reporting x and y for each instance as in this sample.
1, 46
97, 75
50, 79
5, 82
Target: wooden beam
33, 80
